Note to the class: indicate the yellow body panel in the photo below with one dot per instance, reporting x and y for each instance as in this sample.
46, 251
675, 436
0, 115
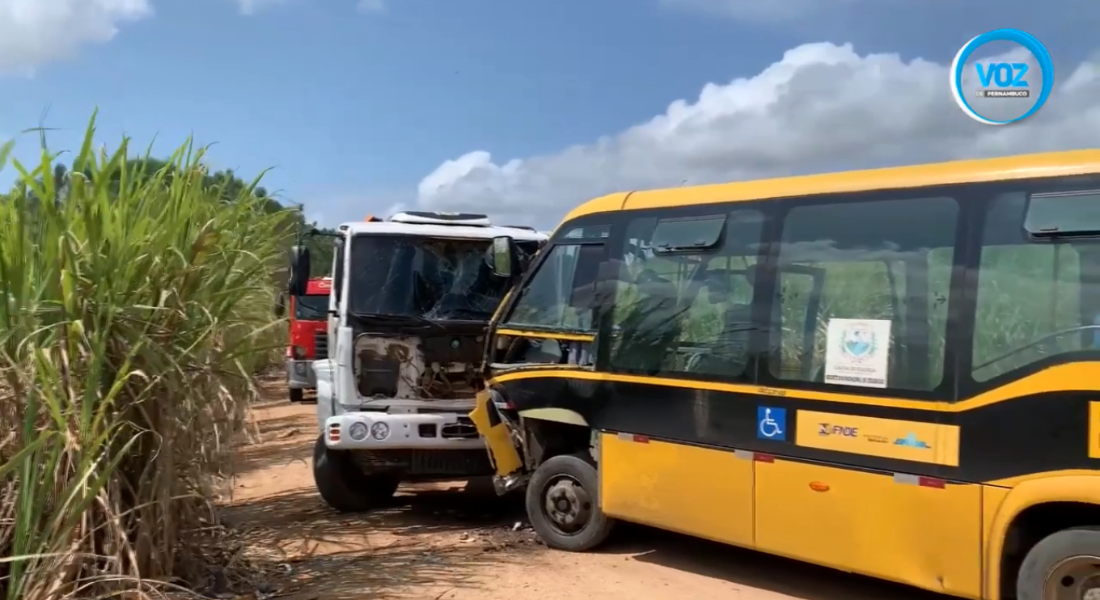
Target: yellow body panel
870, 436
1052, 164
867, 523
701, 492
992, 498
1094, 429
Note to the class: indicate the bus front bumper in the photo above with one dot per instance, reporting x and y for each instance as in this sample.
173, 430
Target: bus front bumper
300, 375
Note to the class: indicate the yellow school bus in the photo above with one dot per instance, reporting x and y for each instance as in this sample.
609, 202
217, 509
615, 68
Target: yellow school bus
893, 372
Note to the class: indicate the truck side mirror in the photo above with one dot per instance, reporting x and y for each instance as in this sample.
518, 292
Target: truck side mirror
502, 257
280, 306
299, 270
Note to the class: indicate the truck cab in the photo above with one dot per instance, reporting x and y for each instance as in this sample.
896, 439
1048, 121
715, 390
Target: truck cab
411, 300
308, 342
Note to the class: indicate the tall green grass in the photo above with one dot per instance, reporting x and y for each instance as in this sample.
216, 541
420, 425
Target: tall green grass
135, 307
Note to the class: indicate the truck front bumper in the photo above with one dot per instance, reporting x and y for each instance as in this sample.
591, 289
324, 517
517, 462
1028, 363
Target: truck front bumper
383, 431
300, 375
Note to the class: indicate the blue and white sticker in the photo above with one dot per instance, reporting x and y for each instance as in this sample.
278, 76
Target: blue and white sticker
771, 423
1008, 87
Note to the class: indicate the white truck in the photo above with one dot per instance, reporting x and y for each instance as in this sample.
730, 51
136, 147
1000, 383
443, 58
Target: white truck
411, 300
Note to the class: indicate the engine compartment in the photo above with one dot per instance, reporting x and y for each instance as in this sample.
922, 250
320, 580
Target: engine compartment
428, 366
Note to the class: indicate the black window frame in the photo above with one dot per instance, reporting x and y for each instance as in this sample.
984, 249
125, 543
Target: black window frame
984, 196
945, 391
696, 211
604, 230
973, 201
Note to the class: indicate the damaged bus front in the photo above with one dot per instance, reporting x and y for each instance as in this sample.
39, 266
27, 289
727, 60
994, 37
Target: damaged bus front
411, 301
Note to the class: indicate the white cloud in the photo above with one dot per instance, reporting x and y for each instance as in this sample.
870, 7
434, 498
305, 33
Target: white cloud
821, 108
34, 32
371, 6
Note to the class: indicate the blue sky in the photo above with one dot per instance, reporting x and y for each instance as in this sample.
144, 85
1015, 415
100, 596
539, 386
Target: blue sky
353, 108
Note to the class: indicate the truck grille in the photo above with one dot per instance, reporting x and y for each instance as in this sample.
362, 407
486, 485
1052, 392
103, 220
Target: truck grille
438, 463
320, 343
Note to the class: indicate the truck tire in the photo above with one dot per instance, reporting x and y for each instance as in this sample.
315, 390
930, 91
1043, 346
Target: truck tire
563, 504
296, 394
346, 488
1061, 563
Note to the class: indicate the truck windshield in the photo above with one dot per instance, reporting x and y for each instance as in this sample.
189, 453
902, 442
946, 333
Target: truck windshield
432, 278
310, 308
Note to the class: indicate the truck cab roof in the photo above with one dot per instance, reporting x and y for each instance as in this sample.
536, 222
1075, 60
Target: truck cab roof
441, 225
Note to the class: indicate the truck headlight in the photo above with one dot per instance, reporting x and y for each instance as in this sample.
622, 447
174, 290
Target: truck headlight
380, 431
358, 431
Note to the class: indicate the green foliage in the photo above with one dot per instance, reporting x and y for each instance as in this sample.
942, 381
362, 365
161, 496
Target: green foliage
134, 309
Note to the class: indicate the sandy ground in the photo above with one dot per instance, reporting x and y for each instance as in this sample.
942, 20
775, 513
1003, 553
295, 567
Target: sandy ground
444, 542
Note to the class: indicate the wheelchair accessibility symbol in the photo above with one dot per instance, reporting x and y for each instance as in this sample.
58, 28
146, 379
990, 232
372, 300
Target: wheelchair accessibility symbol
771, 423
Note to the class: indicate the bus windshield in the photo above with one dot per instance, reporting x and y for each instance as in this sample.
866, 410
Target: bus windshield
432, 278
310, 308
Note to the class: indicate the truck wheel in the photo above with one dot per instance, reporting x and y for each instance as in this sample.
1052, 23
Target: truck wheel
296, 394
563, 504
1062, 566
343, 486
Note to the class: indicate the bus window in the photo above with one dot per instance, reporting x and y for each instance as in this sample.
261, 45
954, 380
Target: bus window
683, 310
887, 263
1034, 300
558, 297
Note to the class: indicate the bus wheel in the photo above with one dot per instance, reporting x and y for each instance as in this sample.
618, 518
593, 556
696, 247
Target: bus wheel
296, 394
563, 504
1062, 566
343, 486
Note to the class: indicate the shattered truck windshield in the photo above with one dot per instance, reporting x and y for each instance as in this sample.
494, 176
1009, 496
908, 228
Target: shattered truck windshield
432, 278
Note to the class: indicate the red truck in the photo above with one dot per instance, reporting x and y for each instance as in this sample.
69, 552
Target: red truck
308, 336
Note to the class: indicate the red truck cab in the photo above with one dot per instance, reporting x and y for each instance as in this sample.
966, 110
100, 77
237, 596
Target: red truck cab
308, 336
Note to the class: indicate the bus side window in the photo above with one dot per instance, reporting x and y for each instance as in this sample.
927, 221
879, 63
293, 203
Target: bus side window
884, 264
560, 295
1029, 298
687, 312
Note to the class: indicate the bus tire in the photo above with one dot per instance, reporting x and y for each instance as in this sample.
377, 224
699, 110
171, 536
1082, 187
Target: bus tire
346, 488
1052, 562
563, 504
296, 394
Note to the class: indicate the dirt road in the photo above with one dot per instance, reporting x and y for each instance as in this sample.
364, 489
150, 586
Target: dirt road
441, 542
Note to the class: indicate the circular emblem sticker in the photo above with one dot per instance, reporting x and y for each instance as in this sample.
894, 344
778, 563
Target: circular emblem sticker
858, 343
1011, 86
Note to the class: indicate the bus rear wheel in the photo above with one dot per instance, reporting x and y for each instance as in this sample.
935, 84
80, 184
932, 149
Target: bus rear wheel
563, 504
1062, 566
344, 486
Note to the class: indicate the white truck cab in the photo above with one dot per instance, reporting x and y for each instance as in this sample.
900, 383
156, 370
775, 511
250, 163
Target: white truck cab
411, 300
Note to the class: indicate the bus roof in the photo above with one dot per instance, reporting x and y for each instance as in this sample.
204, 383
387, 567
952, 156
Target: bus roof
1027, 166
